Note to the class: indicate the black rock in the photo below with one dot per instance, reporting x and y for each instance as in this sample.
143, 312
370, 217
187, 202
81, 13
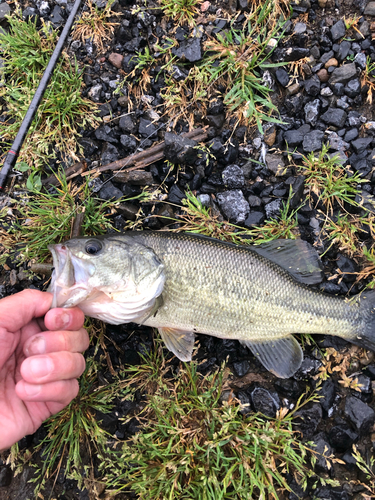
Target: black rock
359, 414
109, 191
351, 135
347, 267
241, 368
230, 153
254, 219
216, 121
216, 107
175, 195
335, 116
350, 461
290, 387
265, 402
307, 420
147, 129
341, 438
127, 124
178, 149
338, 89
313, 141
89, 146
233, 177
312, 110
323, 451
312, 86
308, 368
233, 205
105, 133
343, 51
329, 287
370, 371
189, 50
328, 394
129, 142
282, 76
353, 88
57, 17
254, 201
338, 30
297, 190
110, 154
360, 145
343, 74
293, 138
6, 476
290, 54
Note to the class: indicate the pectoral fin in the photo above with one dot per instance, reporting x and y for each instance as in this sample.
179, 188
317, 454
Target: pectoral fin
282, 357
180, 342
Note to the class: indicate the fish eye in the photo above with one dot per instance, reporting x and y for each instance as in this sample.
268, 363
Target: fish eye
93, 247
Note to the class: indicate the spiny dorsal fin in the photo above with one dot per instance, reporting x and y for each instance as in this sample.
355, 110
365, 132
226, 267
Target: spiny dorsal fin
180, 342
297, 257
282, 357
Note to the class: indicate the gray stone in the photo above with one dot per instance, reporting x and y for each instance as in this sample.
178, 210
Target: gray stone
273, 209
361, 60
300, 28
4, 10
109, 191
94, 92
189, 50
129, 142
337, 143
105, 133
361, 144
282, 76
178, 149
343, 73
276, 164
359, 413
147, 129
233, 205
110, 154
343, 51
127, 124
338, 30
370, 9
255, 219
351, 135
233, 177
313, 141
312, 86
326, 92
334, 116
312, 112
323, 450
353, 88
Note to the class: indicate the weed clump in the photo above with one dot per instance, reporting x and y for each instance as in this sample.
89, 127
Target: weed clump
196, 444
63, 111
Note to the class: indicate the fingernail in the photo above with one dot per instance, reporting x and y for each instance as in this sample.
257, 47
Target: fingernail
32, 389
36, 346
65, 319
41, 366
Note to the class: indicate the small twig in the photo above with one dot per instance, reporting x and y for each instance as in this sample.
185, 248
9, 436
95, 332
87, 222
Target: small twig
77, 225
39, 268
148, 156
70, 172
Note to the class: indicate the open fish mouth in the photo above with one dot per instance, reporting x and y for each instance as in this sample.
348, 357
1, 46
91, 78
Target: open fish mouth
69, 282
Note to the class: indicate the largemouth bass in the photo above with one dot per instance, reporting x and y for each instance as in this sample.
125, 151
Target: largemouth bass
184, 284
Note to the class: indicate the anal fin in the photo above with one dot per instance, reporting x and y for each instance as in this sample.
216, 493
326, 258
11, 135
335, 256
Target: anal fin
282, 357
180, 342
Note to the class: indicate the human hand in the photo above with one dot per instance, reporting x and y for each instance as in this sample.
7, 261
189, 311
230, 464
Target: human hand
40, 361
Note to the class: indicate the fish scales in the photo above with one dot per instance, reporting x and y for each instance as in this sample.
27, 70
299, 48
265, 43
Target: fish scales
230, 291
184, 284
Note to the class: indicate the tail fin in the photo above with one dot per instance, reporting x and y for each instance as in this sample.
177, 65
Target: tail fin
365, 336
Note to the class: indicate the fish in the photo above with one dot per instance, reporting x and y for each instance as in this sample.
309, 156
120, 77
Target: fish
183, 284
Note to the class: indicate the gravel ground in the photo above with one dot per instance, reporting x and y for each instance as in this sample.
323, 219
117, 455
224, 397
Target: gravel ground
325, 103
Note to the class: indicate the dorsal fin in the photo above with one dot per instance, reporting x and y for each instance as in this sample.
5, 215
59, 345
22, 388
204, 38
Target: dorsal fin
297, 257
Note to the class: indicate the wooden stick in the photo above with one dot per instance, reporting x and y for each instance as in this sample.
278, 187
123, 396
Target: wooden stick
143, 158
39, 268
70, 172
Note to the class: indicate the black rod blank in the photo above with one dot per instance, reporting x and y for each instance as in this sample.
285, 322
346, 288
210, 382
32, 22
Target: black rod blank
11, 157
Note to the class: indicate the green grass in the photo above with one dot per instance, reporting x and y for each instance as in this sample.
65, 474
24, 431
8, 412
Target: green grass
195, 444
75, 432
181, 11
26, 51
47, 218
328, 180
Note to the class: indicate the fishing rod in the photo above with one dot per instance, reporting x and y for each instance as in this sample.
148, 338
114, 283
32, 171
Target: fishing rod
11, 157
